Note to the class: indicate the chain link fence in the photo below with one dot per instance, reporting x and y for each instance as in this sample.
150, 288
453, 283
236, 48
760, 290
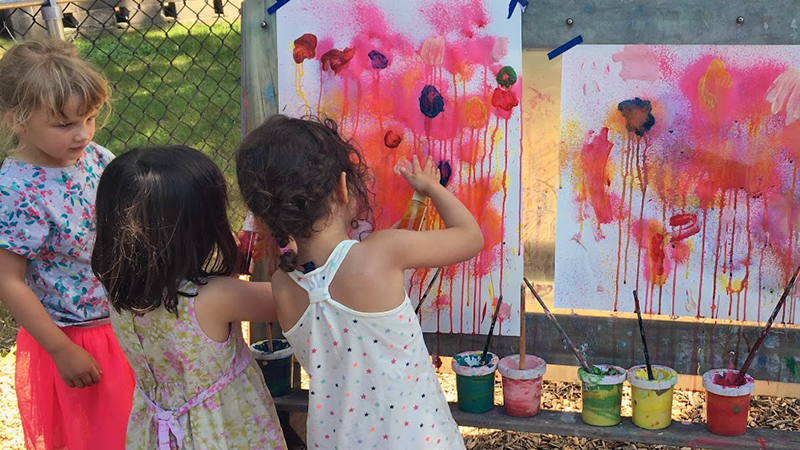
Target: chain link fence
174, 70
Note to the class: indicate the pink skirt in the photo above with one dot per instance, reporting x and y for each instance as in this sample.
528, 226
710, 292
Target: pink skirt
55, 416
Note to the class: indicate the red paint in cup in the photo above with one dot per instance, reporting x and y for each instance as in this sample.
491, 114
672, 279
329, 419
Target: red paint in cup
727, 404
522, 389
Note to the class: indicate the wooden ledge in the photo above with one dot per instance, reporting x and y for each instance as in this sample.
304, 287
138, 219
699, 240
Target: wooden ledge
694, 435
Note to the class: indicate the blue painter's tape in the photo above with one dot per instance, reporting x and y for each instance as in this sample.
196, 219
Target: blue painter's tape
276, 6
572, 43
513, 5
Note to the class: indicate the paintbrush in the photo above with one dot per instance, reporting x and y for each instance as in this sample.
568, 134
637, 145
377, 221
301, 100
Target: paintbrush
586, 366
781, 302
269, 338
521, 327
427, 290
644, 341
491, 330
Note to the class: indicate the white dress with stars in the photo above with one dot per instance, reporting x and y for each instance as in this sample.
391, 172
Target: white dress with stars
372, 384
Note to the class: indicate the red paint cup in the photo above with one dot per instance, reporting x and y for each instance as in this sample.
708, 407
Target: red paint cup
727, 406
522, 389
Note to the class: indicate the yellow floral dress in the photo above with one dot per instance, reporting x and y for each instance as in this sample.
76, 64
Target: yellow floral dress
191, 391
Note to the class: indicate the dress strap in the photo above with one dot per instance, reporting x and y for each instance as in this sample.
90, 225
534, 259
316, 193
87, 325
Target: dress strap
168, 418
319, 280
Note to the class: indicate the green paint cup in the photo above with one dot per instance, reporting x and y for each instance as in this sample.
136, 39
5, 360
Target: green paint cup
602, 395
276, 366
475, 382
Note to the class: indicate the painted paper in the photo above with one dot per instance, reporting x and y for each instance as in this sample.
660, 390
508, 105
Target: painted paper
440, 78
679, 178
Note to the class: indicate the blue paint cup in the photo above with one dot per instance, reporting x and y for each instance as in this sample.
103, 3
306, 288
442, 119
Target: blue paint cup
276, 366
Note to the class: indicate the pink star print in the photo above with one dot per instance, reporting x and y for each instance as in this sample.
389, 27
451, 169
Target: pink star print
369, 370
313, 350
416, 407
406, 424
351, 409
331, 412
335, 343
363, 396
386, 436
394, 361
345, 330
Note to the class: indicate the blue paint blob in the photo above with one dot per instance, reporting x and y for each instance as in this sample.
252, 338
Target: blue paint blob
269, 95
637, 114
378, 59
445, 172
431, 102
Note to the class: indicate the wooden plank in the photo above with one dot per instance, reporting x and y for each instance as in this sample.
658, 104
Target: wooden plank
688, 347
259, 64
259, 94
544, 23
561, 423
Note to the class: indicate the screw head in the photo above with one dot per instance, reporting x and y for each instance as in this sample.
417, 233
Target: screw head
264, 24
740, 20
570, 21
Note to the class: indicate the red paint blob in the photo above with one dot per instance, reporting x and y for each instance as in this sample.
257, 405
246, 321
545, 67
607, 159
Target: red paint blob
504, 99
596, 180
392, 139
337, 60
305, 47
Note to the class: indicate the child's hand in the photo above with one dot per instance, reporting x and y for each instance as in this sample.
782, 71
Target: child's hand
422, 179
77, 367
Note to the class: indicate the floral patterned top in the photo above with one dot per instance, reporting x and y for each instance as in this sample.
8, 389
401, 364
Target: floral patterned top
47, 216
179, 368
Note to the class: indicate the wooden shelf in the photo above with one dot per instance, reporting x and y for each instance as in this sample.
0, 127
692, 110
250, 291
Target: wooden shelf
561, 423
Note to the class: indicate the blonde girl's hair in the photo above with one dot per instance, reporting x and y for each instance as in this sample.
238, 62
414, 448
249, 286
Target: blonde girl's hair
47, 73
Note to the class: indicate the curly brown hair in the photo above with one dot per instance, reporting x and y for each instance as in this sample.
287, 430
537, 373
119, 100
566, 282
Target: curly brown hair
287, 170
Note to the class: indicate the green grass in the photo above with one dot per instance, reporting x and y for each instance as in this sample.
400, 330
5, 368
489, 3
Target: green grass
173, 85
176, 85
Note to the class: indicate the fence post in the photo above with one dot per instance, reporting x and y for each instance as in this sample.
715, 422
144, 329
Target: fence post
53, 20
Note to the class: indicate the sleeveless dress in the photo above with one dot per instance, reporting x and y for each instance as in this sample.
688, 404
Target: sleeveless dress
191, 391
372, 383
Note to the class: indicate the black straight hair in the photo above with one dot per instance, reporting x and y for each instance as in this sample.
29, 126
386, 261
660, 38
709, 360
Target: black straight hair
161, 219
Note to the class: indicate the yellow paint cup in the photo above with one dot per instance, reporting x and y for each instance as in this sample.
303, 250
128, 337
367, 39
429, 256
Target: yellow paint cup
652, 399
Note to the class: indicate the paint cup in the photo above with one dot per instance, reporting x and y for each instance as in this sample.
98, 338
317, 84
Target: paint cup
602, 395
276, 366
652, 399
522, 389
727, 405
475, 382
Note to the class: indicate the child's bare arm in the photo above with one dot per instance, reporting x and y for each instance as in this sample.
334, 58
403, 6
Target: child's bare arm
227, 299
460, 241
75, 365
